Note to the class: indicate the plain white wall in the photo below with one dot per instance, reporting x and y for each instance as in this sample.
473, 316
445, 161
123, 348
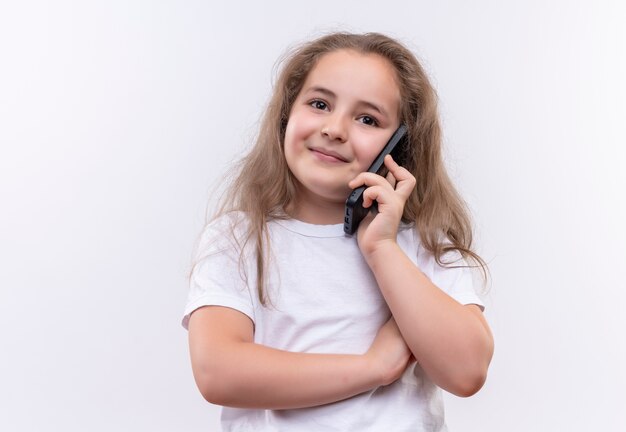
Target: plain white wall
116, 117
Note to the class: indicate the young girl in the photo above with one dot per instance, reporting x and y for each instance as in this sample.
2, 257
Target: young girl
296, 326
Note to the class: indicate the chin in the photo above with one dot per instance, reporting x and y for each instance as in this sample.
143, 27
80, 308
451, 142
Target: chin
323, 190
338, 196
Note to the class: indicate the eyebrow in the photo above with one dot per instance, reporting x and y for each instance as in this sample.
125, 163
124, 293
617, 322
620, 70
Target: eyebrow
330, 93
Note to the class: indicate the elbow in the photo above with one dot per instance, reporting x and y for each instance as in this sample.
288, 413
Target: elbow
472, 378
211, 387
208, 388
209, 393
470, 385
474, 375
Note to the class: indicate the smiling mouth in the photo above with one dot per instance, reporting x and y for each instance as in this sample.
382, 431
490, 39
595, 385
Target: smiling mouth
327, 156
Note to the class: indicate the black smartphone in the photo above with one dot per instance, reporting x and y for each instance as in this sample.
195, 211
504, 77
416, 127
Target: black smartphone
355, 212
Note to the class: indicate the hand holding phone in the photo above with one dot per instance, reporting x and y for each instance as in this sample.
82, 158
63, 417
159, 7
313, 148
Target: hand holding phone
355, 212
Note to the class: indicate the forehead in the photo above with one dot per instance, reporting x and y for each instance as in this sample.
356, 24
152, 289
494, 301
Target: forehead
356, 75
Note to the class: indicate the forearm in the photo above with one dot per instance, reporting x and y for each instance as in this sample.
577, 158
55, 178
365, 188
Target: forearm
453, 345
248, 375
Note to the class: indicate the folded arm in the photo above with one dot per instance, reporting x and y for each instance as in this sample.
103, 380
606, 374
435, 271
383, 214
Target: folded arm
231, 370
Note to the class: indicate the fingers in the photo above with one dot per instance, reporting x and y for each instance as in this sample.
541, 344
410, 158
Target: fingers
398, 178
405, 180
372, 194
391, 179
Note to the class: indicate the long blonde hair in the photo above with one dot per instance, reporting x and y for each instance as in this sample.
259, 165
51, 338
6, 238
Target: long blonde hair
263, 186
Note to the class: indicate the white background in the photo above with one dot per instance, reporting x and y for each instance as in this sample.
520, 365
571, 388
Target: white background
117, 117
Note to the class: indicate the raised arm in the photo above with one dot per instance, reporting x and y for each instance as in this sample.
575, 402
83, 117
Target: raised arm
231, 370
452, 342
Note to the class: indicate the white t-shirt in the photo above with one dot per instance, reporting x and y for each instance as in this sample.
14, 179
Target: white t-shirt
324, 299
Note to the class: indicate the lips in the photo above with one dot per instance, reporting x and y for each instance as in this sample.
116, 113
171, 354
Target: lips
328, 155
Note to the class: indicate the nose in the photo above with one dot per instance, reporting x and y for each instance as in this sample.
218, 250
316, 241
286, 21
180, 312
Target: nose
335, 128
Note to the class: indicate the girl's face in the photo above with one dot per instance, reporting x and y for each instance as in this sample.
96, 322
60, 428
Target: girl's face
346, 111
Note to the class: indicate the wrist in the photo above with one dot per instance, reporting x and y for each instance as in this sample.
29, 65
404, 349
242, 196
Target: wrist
381, 252
372, 370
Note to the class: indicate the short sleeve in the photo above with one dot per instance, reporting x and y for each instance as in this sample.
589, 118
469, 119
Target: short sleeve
219, 276
455, 277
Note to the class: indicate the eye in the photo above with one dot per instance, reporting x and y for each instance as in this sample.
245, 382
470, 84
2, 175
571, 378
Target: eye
319, 104
370, 121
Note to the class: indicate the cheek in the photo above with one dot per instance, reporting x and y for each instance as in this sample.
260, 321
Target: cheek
366, 155
300, 128
302, 123
289, 144
292, 147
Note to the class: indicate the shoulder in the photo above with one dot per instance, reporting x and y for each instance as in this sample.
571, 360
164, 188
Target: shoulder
226, 232
451, 273
234, 220
411, 242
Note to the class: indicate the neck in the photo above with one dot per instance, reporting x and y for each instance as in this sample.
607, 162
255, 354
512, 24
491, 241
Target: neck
316, 211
